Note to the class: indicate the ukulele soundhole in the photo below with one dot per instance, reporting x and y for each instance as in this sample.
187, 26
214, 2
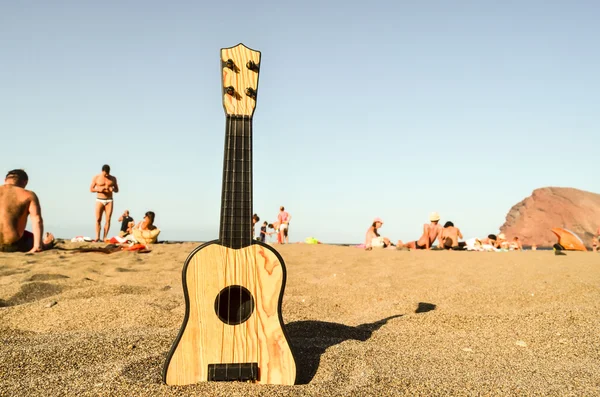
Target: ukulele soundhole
234, 305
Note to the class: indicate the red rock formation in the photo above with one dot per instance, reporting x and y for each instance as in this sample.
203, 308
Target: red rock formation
548, 207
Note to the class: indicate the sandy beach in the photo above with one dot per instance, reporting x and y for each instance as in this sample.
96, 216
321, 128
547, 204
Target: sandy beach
379, 323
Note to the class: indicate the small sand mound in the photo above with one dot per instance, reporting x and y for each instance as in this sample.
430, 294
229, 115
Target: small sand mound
32, 292
46, 277
9, 271
146, 370
124, 270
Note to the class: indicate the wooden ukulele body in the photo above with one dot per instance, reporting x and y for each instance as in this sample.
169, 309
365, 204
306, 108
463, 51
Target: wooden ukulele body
206, 339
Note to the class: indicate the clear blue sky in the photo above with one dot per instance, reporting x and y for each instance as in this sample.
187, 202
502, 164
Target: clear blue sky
365, 109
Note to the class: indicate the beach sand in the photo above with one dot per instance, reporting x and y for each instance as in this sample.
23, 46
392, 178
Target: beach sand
360, 323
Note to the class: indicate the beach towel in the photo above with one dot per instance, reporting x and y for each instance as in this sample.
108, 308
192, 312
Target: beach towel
117, 240
109, 249
80, 239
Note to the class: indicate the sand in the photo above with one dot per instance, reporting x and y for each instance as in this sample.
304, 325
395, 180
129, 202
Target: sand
376, 323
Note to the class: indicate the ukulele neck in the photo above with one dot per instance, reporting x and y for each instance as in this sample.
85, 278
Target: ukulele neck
236, 195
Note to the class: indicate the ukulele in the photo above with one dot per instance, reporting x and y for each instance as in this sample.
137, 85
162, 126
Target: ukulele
233, 287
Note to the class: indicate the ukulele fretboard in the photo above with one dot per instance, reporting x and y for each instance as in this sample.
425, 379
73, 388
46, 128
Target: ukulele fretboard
236, 196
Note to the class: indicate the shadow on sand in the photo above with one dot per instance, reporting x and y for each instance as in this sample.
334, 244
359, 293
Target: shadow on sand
310, 339
425, 307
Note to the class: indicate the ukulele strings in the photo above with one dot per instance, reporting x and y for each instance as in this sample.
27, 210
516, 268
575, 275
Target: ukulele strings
235, 171
241, 220
254, 264
243, 225
227, 214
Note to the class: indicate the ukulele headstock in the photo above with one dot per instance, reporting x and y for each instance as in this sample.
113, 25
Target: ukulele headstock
240, 66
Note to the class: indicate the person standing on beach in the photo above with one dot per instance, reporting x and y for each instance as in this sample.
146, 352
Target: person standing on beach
16, 205
596, 240
104, 184
263, 232
431, 232
284, 224
255, 219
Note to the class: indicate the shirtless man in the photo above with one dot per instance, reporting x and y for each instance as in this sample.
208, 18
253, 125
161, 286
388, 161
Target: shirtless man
16, 205
284, 220
431, 232
105, 185
450, 236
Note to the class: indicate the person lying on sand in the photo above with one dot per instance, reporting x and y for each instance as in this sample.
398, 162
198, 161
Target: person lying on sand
16, 205
489, 240
431, 232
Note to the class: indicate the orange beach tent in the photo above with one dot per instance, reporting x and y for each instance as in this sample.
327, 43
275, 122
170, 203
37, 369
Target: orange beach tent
569, 240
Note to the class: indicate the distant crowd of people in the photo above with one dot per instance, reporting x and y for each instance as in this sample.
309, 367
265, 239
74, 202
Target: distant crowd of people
448, 237
280, 228
18, 205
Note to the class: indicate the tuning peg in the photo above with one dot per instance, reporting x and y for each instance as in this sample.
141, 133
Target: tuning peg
251, 92
230, 90
229, 64
252, 66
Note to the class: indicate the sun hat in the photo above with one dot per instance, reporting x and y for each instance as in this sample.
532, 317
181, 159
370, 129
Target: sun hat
378, 220
501, 236
434, 216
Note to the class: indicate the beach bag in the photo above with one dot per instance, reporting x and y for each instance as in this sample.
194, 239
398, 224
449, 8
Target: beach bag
311, 240
146, 236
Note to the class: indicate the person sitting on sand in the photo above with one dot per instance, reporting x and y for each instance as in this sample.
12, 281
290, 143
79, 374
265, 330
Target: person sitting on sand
372, 238
502, 242
16, 205
146, 232
431, 232
127, 224
147, 223
449, 237
516, 245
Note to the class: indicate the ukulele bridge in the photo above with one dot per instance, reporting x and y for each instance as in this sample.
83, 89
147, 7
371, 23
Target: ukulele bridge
242, 372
